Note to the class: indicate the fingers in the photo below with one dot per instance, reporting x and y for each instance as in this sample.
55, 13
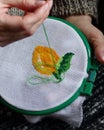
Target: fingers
33, 20
41, 12
13, 28
28, 20
27, 5
96, 38
3, 10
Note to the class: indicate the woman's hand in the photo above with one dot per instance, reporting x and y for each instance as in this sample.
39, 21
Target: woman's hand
13, 28
94, 35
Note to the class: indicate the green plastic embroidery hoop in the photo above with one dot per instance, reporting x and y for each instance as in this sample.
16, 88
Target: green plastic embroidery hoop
85, 88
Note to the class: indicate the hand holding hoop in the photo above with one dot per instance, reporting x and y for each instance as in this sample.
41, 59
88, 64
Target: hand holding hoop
94, 35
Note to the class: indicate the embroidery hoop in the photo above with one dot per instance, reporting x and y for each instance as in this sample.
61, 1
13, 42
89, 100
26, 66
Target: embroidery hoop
86, 85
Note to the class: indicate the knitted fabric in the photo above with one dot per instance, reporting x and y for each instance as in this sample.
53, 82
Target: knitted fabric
62, 8
74, 7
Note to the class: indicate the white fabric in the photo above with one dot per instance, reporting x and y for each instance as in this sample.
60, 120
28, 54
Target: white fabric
72, 114
16, 67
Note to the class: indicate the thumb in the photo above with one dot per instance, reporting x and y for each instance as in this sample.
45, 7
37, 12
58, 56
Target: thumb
28, 5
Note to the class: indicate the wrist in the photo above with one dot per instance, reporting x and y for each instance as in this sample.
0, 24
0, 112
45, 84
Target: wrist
79, 18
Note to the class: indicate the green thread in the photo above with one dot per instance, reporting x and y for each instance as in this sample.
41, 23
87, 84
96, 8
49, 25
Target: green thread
49, 45
43, 80
40, 78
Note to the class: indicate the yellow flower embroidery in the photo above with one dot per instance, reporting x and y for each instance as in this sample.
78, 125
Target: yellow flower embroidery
44, 60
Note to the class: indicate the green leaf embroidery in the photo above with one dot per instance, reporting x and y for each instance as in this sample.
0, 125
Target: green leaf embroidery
63, 65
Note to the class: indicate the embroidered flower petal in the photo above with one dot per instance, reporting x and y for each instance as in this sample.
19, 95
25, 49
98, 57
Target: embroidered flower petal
44, 60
